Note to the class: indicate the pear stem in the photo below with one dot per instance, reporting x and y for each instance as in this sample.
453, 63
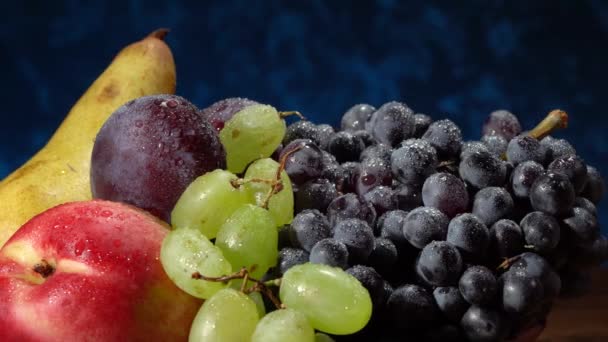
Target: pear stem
160, 33
556, 119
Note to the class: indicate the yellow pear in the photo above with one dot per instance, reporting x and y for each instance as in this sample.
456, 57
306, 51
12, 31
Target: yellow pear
59, 172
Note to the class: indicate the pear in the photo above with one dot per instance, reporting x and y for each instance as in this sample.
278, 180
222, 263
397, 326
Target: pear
59, 172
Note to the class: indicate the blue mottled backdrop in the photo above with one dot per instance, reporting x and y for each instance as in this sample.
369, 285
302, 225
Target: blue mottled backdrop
451, 59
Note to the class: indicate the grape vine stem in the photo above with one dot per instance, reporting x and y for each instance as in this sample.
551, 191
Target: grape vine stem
244, 273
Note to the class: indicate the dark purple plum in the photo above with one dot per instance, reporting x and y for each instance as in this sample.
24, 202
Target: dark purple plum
150, 150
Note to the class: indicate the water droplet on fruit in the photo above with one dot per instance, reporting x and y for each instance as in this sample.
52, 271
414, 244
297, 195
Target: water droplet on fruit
158, 102
172, 103
160, 145
138, 123
106, 213
179, 162
79, 248
176, 132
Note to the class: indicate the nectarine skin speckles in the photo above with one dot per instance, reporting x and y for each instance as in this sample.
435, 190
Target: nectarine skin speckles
149, 150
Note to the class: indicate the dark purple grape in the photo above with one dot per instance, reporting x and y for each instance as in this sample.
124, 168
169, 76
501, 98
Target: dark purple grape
541, 231
506, 239
413, 302
492, 204
328, 160
348, 179
445, 192
472, 147
373, 172
553, 194
484, 324
315, 194
533, 265
324, 134
355, 118
350, 206
380, 151
586, 204
303, 164
439, 264
329, 252
523, 177
445, 137
421, 124
594, 188
384, 256
345, 146
556, 148
276, 155
372, 281
382, 198
581, 225
366, 137
289, 257
482, 169
521, 293
150, 150
572, 167
414, 161
478, 285
409, 196
469, 234
301, 130
523, 148
358, 238
392, 123
424, 225
450, 302
496, 144
223, 110
503, 123
309, 227
390, 226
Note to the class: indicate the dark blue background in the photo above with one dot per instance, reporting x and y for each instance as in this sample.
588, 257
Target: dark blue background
451, 59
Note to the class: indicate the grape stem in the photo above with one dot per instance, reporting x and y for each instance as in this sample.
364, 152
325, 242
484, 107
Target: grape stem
223, 279
508, 262
244, 273
556, 119
277, 184
290, 113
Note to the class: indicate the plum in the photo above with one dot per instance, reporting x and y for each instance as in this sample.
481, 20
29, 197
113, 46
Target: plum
150, 150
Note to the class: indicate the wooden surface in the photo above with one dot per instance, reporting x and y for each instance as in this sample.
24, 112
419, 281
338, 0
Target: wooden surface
581, 319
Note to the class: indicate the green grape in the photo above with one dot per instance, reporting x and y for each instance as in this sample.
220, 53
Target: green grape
249, 237
284, 325
321, 337
207, 203
185, 251
228, 316
281, 203
255, 296
333, 301
252, 133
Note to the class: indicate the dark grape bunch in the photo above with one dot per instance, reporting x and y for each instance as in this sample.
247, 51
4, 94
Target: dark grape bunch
454, 240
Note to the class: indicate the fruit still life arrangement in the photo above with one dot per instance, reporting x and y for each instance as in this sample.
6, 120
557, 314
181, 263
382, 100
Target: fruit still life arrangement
145, 218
